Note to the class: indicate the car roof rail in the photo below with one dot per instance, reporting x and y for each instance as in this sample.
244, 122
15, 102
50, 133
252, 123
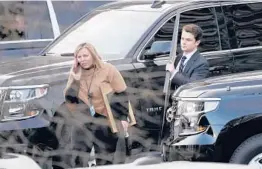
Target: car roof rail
158, 3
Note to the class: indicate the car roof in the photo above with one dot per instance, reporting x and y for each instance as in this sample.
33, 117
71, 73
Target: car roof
142, 6
146, 5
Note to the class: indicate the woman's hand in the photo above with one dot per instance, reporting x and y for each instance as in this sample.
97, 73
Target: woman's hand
125, 125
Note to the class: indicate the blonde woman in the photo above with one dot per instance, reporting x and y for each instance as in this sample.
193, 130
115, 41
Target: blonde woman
85, 102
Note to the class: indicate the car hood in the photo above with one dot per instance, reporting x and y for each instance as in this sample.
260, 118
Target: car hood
223, 86
34, 70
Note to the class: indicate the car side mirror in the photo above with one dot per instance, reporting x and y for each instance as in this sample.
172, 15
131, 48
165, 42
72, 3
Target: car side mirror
158, 49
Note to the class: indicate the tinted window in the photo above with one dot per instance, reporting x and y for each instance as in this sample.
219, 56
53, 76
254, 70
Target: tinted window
24, 20
206, 19
165, 33
244, 24
160, 44
67, 12
223, 32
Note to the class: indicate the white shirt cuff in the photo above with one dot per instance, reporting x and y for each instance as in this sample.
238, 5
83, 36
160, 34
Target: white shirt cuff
173, 74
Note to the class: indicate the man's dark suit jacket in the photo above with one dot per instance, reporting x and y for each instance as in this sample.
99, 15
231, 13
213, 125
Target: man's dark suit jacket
196, 68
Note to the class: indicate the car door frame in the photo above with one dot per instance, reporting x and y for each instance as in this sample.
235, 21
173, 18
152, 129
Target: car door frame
138, 63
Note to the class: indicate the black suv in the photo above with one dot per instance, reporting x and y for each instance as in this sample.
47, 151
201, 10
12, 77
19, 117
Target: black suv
136, 37
217, 119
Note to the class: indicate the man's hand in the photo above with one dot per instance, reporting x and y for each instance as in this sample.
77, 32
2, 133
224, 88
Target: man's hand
125, 125
170, 67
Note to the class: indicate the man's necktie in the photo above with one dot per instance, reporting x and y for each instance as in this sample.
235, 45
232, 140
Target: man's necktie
182, 64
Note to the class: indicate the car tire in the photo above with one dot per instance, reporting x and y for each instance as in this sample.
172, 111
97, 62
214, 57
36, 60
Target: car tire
247, 150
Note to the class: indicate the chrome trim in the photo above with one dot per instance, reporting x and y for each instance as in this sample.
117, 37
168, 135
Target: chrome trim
212, 53
24, 87
206, 54
194, 133
200, 117
197, 99
19, 118
53, 19
246, 48
25, 41
231, 50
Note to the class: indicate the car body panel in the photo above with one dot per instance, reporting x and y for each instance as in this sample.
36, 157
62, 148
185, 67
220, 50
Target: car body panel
144, 78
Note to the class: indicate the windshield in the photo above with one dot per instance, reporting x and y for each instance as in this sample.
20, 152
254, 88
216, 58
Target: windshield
113, 33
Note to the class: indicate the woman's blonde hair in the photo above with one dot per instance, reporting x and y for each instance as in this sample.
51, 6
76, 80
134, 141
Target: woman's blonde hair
97, 58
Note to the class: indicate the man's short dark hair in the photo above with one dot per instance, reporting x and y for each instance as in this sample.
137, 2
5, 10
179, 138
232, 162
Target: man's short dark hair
194, 29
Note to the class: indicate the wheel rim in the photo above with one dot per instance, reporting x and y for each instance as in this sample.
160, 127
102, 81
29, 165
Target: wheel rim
256, 161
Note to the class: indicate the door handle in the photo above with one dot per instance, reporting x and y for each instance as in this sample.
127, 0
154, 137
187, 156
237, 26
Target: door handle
218, 68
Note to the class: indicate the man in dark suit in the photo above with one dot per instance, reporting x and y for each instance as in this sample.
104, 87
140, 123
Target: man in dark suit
191, 65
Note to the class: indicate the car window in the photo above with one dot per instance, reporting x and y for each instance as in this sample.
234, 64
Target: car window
206, 19
67, 12
16, 20
244, 24
223, 31
160, 44
113, 32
